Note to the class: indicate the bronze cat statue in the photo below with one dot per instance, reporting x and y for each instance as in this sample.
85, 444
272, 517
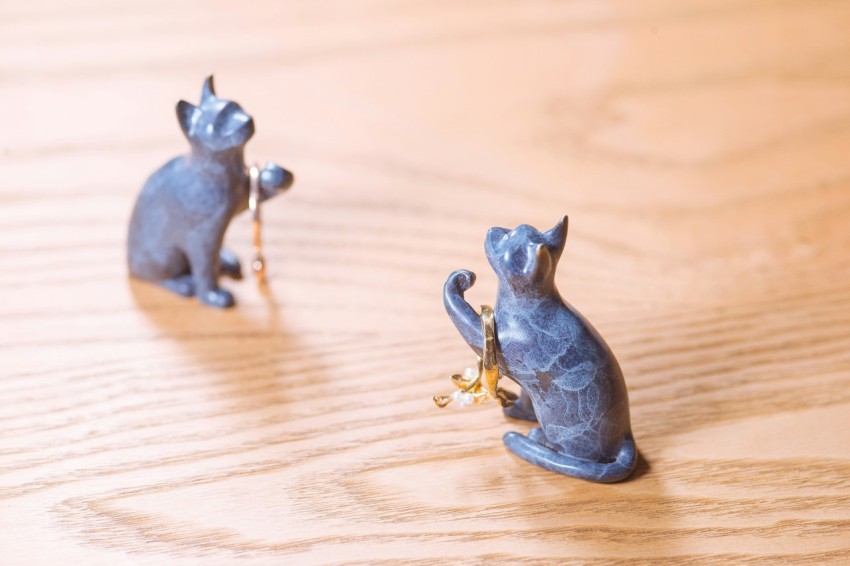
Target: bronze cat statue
571, 382
178, 224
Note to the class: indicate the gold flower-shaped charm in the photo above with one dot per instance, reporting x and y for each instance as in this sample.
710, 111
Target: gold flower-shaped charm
477, 386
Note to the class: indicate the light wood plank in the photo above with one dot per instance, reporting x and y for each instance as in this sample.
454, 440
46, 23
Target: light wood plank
700, 148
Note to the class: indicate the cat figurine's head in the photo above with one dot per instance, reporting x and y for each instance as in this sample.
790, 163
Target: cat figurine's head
215, 125
525, 259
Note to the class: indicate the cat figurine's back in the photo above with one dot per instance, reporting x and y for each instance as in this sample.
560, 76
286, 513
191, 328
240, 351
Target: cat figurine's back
571, 381
181, 215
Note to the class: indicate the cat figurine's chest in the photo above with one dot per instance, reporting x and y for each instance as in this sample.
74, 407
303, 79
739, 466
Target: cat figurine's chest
211, 189
540, 340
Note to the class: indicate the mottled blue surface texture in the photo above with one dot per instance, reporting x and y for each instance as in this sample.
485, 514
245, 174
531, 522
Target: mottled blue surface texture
180, 217
571, 383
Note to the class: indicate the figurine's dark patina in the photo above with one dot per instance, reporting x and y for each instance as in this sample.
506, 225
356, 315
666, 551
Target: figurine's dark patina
180, 217
571, 383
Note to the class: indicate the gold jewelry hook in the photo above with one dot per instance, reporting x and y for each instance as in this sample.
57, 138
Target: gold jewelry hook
258, 263
489, 363
484, 385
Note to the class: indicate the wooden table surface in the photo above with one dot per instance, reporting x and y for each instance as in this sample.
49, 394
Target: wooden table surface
701, 149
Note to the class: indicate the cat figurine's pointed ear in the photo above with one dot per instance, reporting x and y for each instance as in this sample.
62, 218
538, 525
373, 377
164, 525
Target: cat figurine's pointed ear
543, 263
556, 237
208, 90
186, 116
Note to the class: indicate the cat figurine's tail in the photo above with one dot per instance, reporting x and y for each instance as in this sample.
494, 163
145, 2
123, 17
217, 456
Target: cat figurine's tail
605, 472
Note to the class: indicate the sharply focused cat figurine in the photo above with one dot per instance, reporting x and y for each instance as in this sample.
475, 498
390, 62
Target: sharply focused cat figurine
180, 217
571, 382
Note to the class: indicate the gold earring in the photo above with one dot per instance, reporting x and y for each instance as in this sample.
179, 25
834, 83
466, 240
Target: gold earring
477, 386
258, 263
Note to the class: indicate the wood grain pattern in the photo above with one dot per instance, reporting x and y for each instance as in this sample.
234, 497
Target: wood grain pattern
701, 148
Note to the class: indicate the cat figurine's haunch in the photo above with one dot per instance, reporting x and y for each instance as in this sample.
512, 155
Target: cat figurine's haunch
180, 217
571, 383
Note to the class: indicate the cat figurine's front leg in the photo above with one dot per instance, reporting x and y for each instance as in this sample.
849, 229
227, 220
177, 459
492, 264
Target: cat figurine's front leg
273, 179
228, 264
203, 249
468, 323
522, 409
461, 313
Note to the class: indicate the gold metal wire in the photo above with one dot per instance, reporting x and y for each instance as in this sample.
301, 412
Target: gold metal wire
258, 263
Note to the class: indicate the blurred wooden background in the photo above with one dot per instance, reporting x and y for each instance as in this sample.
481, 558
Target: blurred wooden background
701, 149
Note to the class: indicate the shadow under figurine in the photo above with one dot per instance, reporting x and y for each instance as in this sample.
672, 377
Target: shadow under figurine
571, 383
178, 224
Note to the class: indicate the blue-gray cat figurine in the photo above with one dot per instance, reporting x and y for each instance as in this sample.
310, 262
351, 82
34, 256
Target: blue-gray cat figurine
178, 224
571, 382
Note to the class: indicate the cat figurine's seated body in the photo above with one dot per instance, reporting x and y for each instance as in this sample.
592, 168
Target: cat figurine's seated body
178, 224
571, 382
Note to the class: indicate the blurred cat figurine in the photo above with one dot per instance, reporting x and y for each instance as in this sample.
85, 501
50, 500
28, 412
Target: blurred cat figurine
571, 382
178, 223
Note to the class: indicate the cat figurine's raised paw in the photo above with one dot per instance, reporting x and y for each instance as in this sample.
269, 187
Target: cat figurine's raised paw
180, 217
571, 381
